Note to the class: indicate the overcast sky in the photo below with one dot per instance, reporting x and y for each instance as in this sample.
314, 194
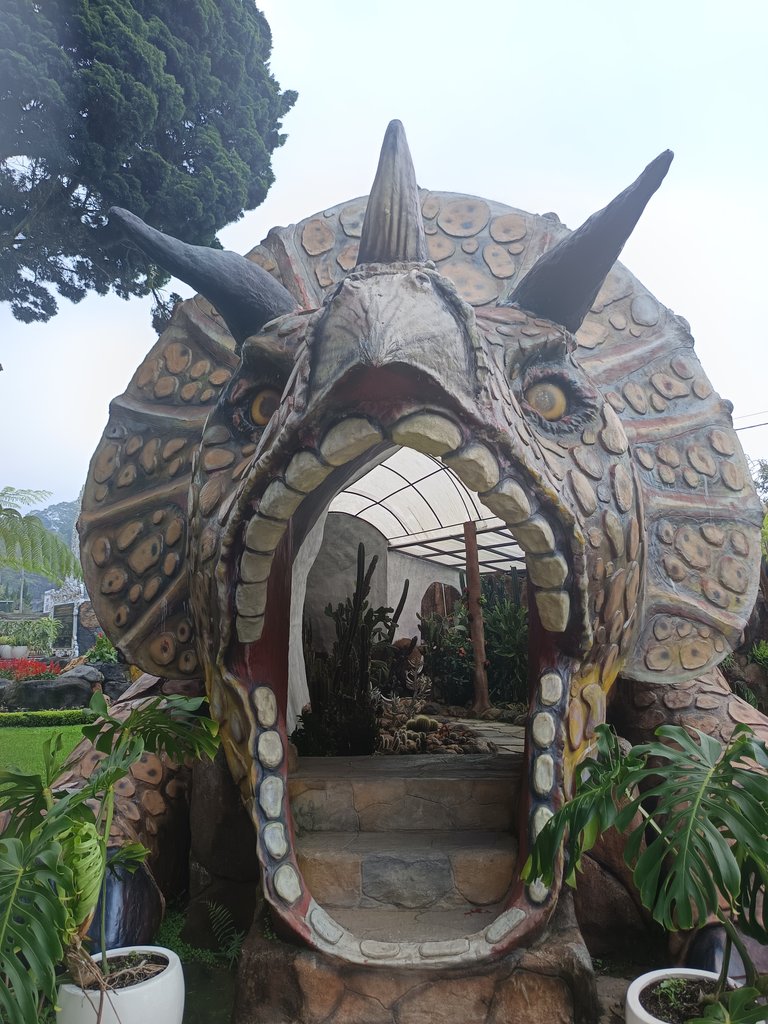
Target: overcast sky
544, 105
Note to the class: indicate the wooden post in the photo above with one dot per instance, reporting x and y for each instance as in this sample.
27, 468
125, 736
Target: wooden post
475, 614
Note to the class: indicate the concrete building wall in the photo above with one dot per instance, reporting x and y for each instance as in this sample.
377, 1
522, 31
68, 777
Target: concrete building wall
421, 575
332, 577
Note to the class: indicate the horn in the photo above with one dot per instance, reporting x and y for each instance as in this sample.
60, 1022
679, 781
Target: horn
561, 286
244, 294
393, 231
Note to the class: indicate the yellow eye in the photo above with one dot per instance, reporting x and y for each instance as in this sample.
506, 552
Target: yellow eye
547, 399
263, 406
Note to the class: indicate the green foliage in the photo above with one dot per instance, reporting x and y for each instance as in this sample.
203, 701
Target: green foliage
169, 935
41, 719
102, 650
705, 852
342, 719
229, 939
506, 650
37, 634
759, 653
126, 103
24, 541
449, 655
53, 854
760, 476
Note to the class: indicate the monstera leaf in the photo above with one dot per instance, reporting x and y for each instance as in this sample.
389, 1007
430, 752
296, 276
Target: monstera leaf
33, 921
705, 846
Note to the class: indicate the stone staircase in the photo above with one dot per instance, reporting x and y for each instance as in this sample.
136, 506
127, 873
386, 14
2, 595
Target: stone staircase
408, 848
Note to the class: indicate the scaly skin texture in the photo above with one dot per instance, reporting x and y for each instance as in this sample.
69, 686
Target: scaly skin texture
633, 504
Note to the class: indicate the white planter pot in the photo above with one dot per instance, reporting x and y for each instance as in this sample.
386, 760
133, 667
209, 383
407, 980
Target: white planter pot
160, 999
5, 651
19, 652
634, 1012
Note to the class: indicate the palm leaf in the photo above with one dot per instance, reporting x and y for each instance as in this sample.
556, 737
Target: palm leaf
26, 544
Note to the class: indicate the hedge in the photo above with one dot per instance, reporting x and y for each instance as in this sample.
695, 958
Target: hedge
23, 719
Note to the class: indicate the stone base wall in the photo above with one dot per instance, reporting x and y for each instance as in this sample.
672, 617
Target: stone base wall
551, 983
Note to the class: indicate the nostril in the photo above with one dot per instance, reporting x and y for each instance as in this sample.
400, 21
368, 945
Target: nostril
421, 281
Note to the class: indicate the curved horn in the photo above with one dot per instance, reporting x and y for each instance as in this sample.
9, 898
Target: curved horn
244, 294
562, 284
393, 231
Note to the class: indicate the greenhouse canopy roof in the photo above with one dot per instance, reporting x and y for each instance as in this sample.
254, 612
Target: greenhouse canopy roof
420, 506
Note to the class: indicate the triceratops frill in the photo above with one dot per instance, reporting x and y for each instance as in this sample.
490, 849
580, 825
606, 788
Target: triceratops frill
520, 354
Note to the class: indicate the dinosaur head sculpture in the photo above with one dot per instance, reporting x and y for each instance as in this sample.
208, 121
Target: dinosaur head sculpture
520, 354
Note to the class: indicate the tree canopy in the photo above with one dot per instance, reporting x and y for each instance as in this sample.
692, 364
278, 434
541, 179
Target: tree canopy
167, 109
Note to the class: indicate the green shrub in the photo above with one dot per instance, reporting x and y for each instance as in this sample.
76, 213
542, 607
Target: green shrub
102, 650
449, 655
759, 654
37, 634
35, 719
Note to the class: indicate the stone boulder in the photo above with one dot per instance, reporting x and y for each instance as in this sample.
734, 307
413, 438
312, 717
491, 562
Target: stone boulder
70, 690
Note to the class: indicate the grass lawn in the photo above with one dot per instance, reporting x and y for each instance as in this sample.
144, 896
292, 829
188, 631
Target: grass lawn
23, 748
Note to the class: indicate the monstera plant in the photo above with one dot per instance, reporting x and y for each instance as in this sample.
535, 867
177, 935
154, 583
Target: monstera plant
53, 851
698, 847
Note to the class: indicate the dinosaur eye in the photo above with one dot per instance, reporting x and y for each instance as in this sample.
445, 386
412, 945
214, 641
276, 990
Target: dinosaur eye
264, 406
548, 399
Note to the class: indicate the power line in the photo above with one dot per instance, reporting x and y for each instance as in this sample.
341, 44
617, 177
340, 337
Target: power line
752, 426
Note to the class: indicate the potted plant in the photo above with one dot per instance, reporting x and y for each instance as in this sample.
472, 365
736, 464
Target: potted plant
698, 853
39, 635
5, 648
53, 868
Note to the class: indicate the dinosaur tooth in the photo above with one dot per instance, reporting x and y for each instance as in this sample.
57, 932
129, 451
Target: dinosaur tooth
476, 466
263, 534
287, 884
535, 536
249, 630
543, 729
509, 502
275, 840
348, 439
428, 433
547, 571
265, 703
540, 818
271, 793
279, 502
251, 599
255, 568
543, 774
554, 607
305, 472
270, 749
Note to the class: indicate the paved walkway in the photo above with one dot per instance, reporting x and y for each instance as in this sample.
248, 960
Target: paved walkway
509, 739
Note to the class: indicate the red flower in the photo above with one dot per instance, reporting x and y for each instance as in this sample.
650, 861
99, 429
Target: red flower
21, 669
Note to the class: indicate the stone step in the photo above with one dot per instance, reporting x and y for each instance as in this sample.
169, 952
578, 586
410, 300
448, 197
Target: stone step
412, 870
414, 925
410, 793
